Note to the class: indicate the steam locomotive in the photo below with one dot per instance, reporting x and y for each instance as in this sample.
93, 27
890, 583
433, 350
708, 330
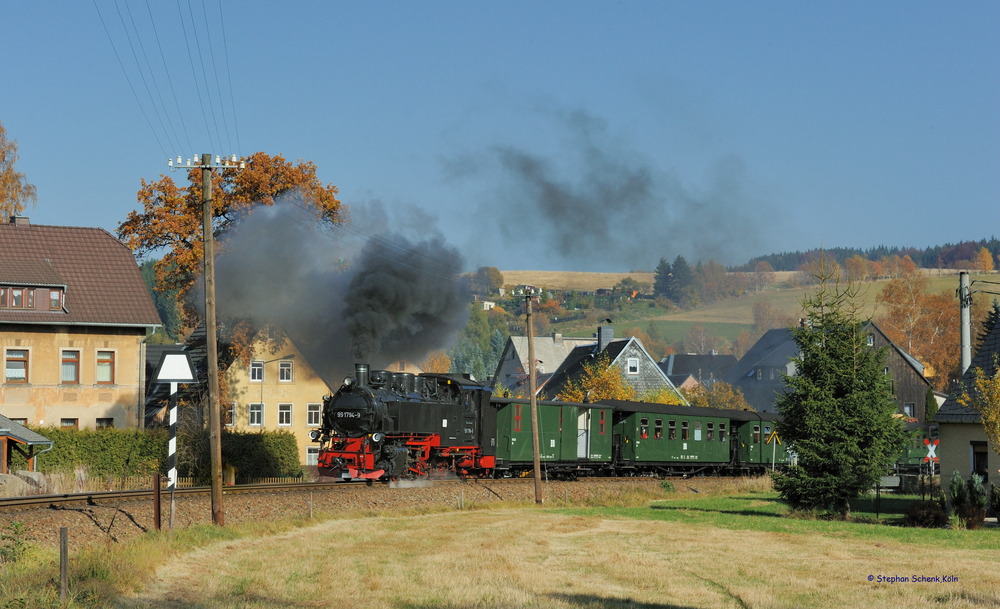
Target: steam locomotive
383, 425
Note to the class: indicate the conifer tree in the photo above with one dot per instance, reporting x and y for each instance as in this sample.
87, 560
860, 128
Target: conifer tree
663, 279
837, 411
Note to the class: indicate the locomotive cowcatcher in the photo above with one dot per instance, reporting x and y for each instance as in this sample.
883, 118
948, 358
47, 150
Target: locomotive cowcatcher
382, 425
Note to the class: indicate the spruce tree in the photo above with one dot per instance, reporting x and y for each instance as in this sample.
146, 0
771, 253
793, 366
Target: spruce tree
837, 409
663, 279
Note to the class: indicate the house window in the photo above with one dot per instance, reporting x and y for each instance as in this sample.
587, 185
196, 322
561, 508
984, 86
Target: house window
55, 300
16, 366
17, 298
69, 423
633, 365
70, 369
909, 408
313, 413
870, 340
105, 367
284, 415
312, 455
108, 423
256, 371
285, 371
229, 414
256, 415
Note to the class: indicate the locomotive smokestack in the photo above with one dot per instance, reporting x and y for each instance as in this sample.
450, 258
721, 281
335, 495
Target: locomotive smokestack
361, 374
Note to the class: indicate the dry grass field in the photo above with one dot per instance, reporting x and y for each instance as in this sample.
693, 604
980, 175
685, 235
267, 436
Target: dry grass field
565, 280
670, 554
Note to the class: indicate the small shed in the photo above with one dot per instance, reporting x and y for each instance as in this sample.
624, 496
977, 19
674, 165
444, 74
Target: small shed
15, 437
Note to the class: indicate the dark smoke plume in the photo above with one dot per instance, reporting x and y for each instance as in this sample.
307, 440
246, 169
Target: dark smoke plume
602, 207
342, 294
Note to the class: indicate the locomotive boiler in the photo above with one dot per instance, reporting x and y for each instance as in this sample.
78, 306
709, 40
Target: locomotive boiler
382, 425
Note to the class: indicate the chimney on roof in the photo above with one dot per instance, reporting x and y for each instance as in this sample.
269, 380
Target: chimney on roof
557, 338
19, 220
605, 334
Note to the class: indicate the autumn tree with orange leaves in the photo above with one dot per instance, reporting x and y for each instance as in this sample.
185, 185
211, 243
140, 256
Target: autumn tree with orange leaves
171, 218
924, 325
15, 190
171, 215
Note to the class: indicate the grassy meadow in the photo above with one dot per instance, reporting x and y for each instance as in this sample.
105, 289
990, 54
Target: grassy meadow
729, 547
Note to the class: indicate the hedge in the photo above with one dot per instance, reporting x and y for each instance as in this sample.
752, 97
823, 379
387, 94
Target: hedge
133, 452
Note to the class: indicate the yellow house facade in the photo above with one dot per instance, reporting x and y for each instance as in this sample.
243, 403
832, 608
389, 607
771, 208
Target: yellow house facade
74, 317
278, 390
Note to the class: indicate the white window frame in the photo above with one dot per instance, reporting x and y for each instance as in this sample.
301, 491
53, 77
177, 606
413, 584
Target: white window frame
314, 414
312, 455
232, 414
632, 365
255, 414
257, 371
285, 415
285, 371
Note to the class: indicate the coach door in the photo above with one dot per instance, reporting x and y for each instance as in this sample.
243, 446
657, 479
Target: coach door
583, 434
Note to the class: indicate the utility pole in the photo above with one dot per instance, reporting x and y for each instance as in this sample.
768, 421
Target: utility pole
211, 332
534, 404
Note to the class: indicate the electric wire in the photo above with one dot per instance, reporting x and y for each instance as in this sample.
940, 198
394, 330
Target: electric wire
170, 82
114, 48
229, 78
142, 73
194, 73
215, 74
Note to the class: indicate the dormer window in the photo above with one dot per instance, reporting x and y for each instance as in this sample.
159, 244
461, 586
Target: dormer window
55, 299
17, 298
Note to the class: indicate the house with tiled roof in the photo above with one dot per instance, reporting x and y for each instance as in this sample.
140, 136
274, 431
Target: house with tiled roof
550, 351
759, 374
688, 370
638, 368
963, 445
74, 318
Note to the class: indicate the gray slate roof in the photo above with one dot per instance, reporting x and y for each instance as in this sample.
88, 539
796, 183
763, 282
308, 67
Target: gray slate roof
21, 433
954, 412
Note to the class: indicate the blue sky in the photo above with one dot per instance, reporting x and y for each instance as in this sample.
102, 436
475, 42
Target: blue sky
554, 135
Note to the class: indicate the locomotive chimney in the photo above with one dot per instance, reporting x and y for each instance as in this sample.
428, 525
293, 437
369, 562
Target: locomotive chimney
361, 374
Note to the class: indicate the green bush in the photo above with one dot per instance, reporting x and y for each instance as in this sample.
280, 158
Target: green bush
667, 486
995, 499
12, 542
928, 514
968, 500
104, 452
253, 454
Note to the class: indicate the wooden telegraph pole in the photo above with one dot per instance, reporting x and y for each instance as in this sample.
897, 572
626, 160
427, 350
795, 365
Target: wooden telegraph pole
211, 332
534, 404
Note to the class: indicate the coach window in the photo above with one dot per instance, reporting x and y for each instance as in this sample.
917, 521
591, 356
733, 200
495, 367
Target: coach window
697, 431
658, 429
671, 430
722, 432
710, 431
70, 369
643, 428
16, 367
684, 430
756, 434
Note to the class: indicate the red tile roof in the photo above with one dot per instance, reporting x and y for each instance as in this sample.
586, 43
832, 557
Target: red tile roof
103, 284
